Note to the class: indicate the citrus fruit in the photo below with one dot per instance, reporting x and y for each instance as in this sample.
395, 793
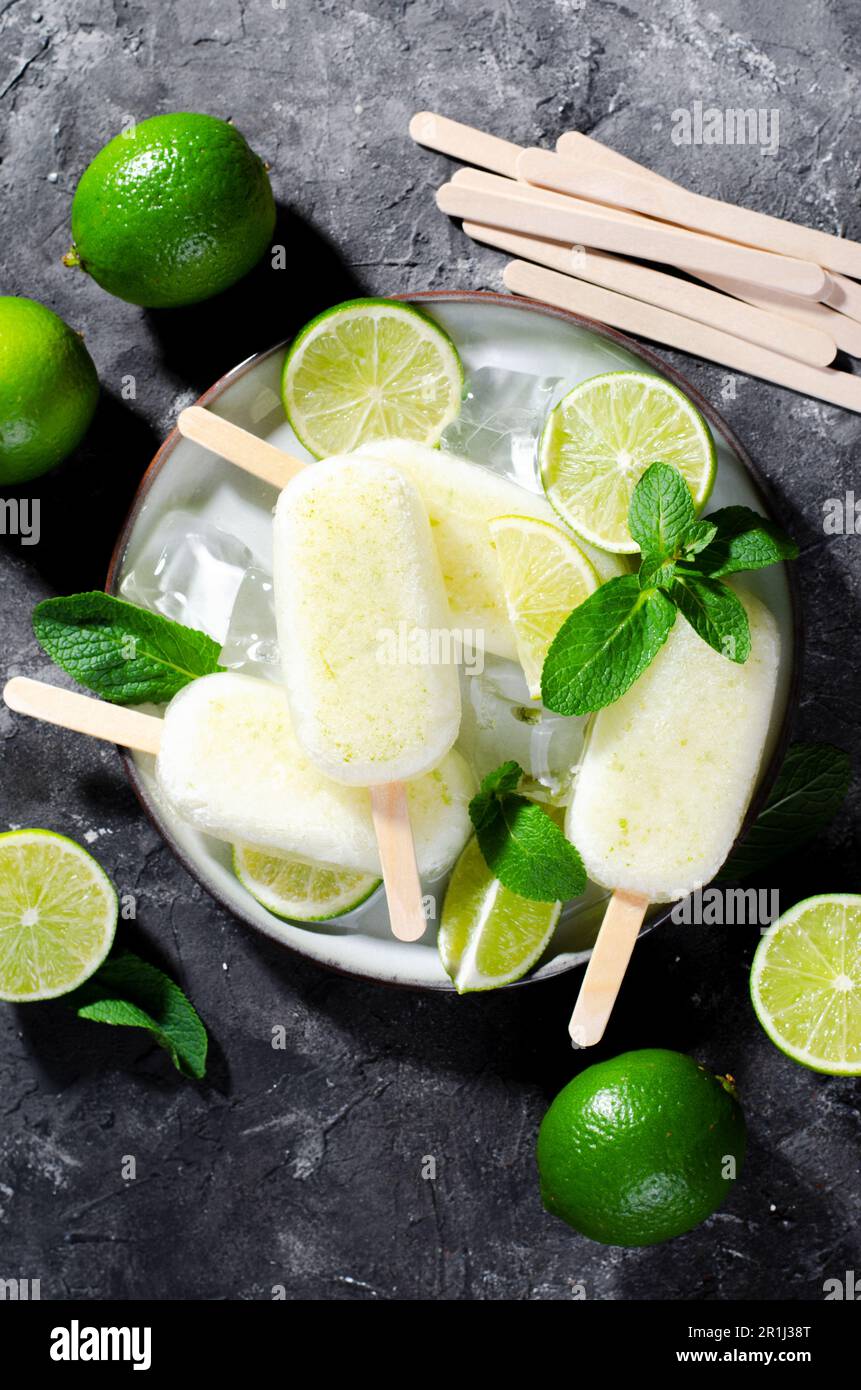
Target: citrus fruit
48, 390
370, 369
545, 576
58, 914
805, 983
600, 439
640, 1148
298, 889
172, 211
489, 936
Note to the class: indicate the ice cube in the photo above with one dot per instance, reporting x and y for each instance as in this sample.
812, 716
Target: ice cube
251, 644
501, 722
501, 419
189, 570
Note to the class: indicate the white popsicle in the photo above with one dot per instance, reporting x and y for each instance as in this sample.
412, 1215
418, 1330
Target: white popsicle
230, 764
361, 612
670, 768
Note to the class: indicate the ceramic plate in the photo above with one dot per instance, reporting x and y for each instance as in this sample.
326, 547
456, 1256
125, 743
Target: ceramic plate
197, 545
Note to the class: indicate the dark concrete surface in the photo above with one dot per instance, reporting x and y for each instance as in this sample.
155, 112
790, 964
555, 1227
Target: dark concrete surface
301, 1167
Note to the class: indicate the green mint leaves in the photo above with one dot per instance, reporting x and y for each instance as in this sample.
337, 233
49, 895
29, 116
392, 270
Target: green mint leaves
604, 645
607, 643
127, 991
521, 845
809, 791
125, 654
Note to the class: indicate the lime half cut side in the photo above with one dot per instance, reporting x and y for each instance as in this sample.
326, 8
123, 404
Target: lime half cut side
58, 915
545, 576
805, 983
297, 889
488, 935
370, 369
600, 439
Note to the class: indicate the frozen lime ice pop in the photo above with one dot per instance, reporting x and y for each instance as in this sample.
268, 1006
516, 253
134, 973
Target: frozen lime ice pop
230, 764
361, 613
462, 498
670, 768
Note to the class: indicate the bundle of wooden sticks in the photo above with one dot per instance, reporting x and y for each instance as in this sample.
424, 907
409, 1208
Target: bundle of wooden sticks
781, 302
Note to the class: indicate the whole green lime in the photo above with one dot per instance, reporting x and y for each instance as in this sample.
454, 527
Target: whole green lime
48, 390
640, 1148
172, 211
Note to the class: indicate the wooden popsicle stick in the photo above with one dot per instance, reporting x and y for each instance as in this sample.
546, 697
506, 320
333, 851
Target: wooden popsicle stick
398, 856
632, 316
238, 446
805, 344
606, 969
573, 144
845, 331
650, 241
84, 714
845, 296
481, 181
465, 142
672, 203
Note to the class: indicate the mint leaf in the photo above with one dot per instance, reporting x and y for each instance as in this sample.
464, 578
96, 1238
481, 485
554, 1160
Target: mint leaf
124, 653
604, 645
696, 538
809, 790
128, 992
715, 613
744, 540
656, 572
661, 511
520, 844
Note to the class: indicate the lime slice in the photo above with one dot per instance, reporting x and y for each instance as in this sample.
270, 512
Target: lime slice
544, 576
489, 936
58, 914
370, 369
805, 983
601, 438
299, 889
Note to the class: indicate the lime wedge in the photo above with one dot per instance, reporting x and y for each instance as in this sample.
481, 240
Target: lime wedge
58, 914
805, 983
489, 936
370, 369
601, 438
544, 576
298, 889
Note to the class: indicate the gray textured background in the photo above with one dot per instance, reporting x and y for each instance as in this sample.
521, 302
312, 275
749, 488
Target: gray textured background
301, 1167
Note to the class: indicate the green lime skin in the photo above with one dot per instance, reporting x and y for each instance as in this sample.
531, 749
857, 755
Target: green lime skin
634, 1150
172, 212
48, 390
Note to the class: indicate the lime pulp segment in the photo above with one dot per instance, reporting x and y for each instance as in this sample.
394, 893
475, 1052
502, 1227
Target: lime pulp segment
370, 369
58, 914
298, 889
806, 983
600, 439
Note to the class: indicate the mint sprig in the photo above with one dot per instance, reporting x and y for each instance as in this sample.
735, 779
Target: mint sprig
809, 791
607, 643
124, 653
520, 844
129, 992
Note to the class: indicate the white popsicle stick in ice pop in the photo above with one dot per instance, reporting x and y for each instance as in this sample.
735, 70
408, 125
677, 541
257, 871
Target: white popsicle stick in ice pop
84, 714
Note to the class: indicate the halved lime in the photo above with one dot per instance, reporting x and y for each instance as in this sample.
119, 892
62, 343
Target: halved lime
601, 438
489, 936
805, 983
370, 369
298, 889
545, 576
58, 915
